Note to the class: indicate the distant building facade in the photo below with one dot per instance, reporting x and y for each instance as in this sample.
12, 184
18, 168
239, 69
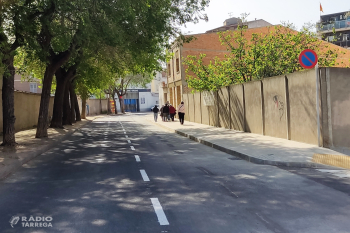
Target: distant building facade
335, 28
207, 43
233, 23
138, 99
30, 85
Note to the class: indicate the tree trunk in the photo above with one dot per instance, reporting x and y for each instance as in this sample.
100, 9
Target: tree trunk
56, 61
72, 103
121, 102
76, 104
43, 118
66, 106
61, 81
109, 111
115, 105
8, 104
83, 108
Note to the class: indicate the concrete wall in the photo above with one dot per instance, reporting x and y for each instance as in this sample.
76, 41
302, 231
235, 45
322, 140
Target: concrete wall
185, 100
302, 102
197, 107
237, 107
95, 106
190, 107
275, 107
285, 107
214, 113
339, 100
205, 112
253, 107
26, 110
224, 108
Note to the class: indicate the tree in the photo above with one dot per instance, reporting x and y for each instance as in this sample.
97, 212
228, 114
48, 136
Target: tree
16, 26
264, 55
136, 25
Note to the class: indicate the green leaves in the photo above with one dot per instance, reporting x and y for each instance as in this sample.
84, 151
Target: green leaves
254, 56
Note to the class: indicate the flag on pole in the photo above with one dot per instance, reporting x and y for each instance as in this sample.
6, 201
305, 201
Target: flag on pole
321, 9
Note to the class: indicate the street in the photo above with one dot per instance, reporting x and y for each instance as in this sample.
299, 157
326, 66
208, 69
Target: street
125, 174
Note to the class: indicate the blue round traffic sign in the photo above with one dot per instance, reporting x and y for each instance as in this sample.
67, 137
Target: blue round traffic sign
308, 59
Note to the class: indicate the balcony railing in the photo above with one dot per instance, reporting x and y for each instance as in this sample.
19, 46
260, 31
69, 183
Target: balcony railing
336, 25
345, 44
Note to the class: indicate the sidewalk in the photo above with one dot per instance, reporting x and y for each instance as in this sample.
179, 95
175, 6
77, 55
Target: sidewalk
29, 147
257, 148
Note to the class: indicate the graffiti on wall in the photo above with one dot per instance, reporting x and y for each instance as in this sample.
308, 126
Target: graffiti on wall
279, 104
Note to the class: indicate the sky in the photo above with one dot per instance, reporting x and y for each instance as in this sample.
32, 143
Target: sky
272, 11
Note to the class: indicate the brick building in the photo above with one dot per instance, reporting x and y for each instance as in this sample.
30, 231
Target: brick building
208, 43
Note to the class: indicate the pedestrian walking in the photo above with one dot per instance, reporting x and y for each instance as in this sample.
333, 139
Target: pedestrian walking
165, 112
172, 112
155, 112
161, 112
181, 112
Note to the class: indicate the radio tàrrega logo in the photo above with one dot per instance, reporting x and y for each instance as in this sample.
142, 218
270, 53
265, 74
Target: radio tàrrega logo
38, 221
14, 220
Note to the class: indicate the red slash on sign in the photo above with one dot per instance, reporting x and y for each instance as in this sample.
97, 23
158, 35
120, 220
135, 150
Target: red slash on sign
308, 59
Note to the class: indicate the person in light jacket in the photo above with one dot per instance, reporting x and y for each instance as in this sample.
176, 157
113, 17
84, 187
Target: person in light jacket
181, 112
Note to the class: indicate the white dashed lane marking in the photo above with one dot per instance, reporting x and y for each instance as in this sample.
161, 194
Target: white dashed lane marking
144, 175
137, 158
132, 148
129, 141
159, 212
126, 136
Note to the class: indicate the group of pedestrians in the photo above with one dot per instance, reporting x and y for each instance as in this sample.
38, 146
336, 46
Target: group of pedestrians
168, 112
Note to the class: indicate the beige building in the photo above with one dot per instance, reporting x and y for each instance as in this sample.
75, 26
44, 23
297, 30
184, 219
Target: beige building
29, 85
159, 81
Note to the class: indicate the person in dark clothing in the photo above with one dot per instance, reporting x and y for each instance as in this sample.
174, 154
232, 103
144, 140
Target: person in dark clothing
181, 112
172, 112
161, 111
165, 112
155, 111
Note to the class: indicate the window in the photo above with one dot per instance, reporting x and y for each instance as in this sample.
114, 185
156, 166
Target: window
169, 71
330, 38
34, 87
177, 61
157, 102
143, 100
177, 65
341, 17
346, 37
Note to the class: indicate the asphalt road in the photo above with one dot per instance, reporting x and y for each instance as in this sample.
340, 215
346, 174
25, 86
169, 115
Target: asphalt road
93, 182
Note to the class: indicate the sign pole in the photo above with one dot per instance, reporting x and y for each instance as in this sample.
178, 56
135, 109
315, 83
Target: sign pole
308, 59
317, 104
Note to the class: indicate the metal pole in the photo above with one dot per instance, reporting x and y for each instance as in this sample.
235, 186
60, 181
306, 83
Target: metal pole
317, 106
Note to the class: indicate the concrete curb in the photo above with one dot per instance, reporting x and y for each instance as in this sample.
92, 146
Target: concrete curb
15, 165
245, 157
